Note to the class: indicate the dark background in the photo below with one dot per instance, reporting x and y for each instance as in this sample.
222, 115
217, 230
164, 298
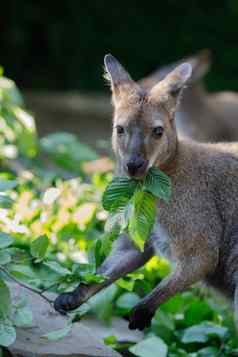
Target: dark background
61, 44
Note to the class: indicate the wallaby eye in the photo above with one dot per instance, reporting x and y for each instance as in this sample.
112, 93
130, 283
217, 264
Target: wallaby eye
158, 131
120, 130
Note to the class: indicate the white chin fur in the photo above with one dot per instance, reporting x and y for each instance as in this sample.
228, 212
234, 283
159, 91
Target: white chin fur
153, 160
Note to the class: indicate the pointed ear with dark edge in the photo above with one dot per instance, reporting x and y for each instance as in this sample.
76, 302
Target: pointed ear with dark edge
116, 73
174, 82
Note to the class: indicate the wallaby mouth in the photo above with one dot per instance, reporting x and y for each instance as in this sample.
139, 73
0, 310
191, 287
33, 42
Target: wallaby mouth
137, 169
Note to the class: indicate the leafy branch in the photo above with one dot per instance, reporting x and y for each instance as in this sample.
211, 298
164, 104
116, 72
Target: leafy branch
132, 205
26, 286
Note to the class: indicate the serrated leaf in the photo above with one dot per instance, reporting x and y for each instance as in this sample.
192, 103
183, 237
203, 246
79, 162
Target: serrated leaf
118, 193
58, 334
5, 240
143, 217
39, 247
7, 333
158, 183
150, 347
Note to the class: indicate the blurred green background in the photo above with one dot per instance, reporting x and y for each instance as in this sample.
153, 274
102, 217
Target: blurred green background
60, 45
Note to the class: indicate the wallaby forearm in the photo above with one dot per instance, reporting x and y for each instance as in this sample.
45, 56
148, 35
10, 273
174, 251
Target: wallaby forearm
124, 258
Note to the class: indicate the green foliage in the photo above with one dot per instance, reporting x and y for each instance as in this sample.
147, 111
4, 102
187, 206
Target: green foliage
150, 347
158, 184
203, 332
5, 240
39, 247
118, 193
52, 237
17, 127
142, 218
132, 204
66, 150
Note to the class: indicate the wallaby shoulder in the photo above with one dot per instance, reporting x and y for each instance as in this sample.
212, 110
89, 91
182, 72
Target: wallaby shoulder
205, 194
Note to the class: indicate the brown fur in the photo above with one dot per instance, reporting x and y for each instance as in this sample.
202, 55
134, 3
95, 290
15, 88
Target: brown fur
203, 116
203, 210
198, 228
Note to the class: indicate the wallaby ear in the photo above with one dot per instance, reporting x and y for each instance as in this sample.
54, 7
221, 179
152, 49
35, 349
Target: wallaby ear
174, 82
119, 78
115, 72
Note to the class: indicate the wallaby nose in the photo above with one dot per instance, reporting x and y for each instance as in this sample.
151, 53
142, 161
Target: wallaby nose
134, 166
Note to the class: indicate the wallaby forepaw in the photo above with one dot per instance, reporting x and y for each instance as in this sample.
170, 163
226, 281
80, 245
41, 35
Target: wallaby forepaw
70, 301
140, 317
65, 302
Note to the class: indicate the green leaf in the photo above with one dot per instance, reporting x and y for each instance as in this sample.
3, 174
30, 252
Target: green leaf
26, 136
58, 334
158, 183
114, 222
196, 312
162, 319
5, 257
203, 332
66, 150
58, 268
5, 305
118, 193
93, 278
110, 340
5, 201
150, 347
39, 247
102, 302
143, 217
23, 317
21, 271
7, 333
7, 185
208, 352
126, 284
18, 256
11, 92
127, 301
5, 240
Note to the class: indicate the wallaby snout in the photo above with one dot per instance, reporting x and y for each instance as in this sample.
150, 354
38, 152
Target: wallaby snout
136, 166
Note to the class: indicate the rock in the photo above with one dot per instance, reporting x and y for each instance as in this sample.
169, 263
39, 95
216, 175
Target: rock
84, 340
118, 328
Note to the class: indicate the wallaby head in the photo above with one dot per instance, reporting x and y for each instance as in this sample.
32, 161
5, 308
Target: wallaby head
144, 132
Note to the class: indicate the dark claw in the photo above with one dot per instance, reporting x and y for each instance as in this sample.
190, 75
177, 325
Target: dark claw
140, 318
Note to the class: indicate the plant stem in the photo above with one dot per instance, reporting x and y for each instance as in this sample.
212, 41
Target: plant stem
34, 290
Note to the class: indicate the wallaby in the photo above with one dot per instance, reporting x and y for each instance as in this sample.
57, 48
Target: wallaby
198, 228
203, 116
